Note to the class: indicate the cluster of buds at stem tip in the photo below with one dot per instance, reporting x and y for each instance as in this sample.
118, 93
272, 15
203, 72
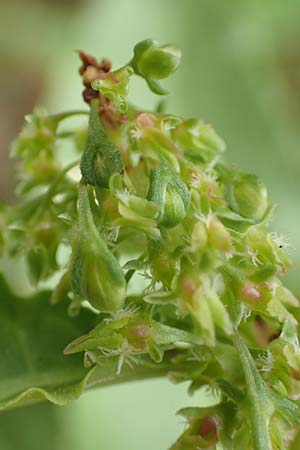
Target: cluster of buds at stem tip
151, 62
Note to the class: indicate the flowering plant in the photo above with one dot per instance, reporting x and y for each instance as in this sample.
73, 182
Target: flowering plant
160, 262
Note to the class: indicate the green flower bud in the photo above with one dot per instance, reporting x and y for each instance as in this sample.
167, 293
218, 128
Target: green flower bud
163, 264
265, 246
101, 157
219, 236
201, 299
96, 274
153, 62
199, 140
115, 87
169, 192
199, 236
279, 246
247, 195
174, 208
139, 213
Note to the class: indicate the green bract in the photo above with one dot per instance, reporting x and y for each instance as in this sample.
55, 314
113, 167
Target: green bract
95, 273
101, 157
115, 86
170, 194
162, 252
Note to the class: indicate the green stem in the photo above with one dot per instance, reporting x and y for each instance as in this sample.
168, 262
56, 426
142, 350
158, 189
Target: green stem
260, 408
65, 115
106, 375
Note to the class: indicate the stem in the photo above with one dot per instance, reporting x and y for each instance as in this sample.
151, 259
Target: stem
65, 115
39, 386
106, 374
260, 408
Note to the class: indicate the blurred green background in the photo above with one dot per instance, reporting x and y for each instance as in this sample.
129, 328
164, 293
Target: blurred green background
240, 72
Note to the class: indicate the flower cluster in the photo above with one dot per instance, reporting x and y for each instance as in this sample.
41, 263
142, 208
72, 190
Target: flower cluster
170, 248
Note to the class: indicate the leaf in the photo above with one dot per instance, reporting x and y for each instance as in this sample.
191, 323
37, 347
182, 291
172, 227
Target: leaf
33, 367
33, 334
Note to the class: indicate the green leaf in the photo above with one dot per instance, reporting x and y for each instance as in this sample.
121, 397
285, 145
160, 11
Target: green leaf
33, 334
33, 367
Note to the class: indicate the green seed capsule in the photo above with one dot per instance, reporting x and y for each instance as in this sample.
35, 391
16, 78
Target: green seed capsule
96, 274
142, 46
160, 62
247, 195
169, 192
153, 62
101, 157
